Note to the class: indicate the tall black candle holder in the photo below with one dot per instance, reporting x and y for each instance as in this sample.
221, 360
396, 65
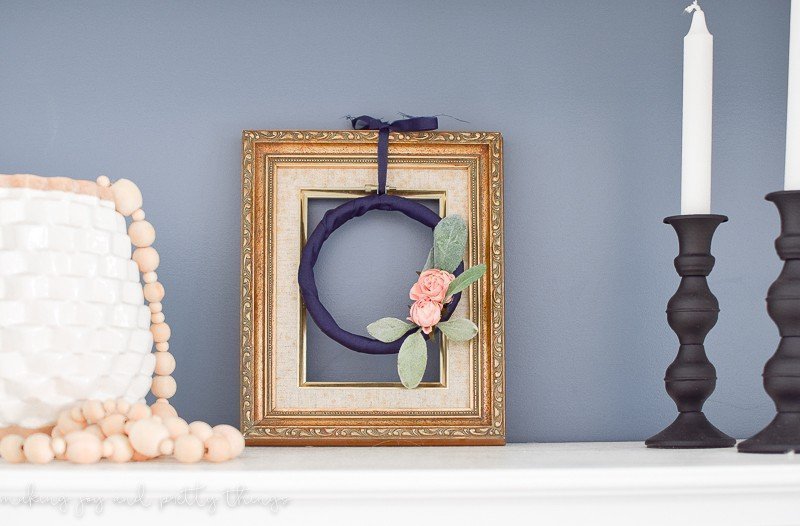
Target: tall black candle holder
692, 312
782, 371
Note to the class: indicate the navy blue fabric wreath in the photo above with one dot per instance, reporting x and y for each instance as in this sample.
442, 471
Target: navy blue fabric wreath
332, 220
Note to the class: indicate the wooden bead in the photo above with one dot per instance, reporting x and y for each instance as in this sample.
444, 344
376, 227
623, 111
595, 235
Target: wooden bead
37, 449
113, 424
233, 436
76, 413
142, 234
217, 449
176, 426
157, 317
96, 431
150, 277
11, 449
59, 446
201, 430
93, 411
104, 181
110, 406
167, 447
117, 448
146, 436
139, 411
161, 332
127, 196
138, 215
147, 259
165, 363
188, 449
83, 448
123, 406
163, 409
156, 307
162, 347
67, 424
164, 386
154, 292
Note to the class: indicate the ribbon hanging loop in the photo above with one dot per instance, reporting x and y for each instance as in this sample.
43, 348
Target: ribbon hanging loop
365, 122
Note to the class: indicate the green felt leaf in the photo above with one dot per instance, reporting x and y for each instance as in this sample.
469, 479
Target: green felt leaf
466, 278
449, 243
429, 261
459, 330
389, 329
412, 360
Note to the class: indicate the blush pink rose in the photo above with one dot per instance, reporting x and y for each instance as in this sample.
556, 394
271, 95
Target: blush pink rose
426, 313
432, 284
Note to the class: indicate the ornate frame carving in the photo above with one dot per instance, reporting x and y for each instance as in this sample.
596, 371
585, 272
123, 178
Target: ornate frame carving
261, 426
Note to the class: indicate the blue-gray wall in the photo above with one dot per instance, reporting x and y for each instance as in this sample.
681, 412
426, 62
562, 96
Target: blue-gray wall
586, 93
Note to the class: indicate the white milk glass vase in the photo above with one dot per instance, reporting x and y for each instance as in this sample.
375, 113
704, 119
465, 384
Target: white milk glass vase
73, 322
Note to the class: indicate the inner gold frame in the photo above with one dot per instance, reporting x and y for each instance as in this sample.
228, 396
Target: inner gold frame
346, 193
484, 424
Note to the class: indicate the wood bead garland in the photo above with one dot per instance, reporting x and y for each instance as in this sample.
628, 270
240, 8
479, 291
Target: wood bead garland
144, 433
128, 202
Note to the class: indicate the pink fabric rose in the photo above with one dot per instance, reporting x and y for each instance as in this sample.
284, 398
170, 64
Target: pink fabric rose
426, 313
432, 283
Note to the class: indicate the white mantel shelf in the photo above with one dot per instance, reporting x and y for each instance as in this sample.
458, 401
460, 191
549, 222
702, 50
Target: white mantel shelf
581, 483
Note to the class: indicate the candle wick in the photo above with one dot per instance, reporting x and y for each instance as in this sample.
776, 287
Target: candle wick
694, 7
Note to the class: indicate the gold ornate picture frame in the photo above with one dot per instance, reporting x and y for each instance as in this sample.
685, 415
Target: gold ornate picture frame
281, 170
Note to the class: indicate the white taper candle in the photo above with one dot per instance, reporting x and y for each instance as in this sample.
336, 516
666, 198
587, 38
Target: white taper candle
792, 174
698, 65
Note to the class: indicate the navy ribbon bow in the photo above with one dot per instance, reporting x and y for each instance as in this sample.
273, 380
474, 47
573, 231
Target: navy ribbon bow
365, 122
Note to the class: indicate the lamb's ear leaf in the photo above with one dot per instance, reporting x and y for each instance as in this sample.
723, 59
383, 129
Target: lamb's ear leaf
389, 329
449, 243
459, 330
429, 261
412, 360
465, 279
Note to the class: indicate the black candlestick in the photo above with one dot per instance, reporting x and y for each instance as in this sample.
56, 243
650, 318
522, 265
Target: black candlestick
692, 312
782, 371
